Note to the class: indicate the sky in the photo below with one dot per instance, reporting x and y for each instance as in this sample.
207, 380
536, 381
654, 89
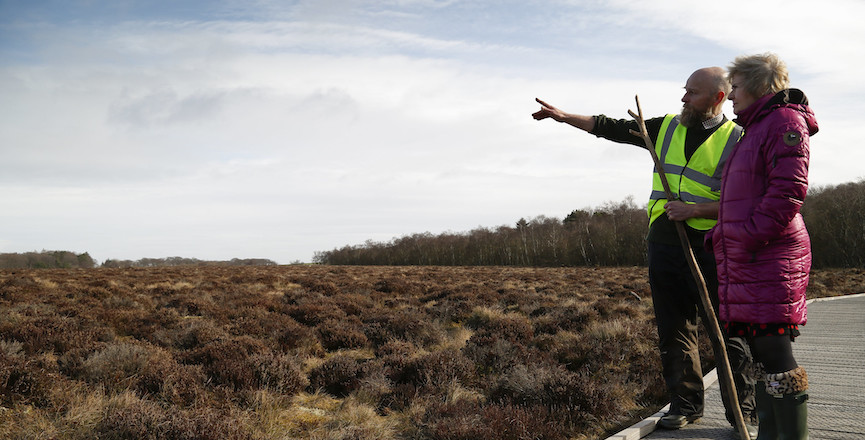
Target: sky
274, 129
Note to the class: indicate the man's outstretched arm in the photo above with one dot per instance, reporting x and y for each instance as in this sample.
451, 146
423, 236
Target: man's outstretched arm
585, 123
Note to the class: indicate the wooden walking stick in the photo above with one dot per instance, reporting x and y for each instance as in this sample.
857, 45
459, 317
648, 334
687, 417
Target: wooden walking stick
714, 329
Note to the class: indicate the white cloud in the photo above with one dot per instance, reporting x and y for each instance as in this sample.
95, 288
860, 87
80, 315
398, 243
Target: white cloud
278, 138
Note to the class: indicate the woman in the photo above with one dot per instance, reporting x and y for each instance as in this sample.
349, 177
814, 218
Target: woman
762, 248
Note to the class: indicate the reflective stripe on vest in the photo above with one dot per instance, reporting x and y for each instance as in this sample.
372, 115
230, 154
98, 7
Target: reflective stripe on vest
697, 180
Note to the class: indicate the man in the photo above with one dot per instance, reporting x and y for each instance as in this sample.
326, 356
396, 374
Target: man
693, 147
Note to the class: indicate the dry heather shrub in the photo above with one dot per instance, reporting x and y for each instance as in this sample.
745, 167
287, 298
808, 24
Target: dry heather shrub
375, 387
433, 372
279, 373
509, 422
166, 379
296, 338
620, 353
142, 324
339, 375
497, 324
17, 288
51, 333
168, 288
381, 326
468, 420
70, 363
461, 420
204, 423
279, 330
572, 316
46, 284
297, 294
524, 386
314, 313
26, 379
833, 282
115, 364
817, 288
344, 333
445, 304
571, 398
353, 303
245, 302
125, 301
128, 417
394, 356
228, 362
617, 308
99, 290
137, 366
189, 334
315, 285
615, 346
327, 288
500, 341
561, 346
397, 285
492, 324
493, 356
392, 360
193, 303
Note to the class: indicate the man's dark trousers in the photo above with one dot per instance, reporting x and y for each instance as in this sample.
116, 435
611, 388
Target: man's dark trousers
677, 304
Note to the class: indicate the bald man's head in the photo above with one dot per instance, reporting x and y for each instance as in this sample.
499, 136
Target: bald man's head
715, 78
705, 93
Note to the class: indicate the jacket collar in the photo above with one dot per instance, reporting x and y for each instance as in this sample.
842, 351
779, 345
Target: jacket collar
767, 103
790, 98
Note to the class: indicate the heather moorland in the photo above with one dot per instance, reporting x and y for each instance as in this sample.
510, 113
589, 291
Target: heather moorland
332, 352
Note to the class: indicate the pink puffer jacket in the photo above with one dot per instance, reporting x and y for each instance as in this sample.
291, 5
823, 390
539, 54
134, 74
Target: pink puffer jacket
761, 245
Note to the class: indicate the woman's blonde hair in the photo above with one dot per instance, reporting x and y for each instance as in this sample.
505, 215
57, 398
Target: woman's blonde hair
762, 74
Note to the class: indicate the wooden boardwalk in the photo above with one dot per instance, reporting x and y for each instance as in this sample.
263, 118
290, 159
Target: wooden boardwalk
832, 351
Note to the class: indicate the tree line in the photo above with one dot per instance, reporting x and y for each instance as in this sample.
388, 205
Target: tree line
46, 259
610, 235
71, 260
181, 261
835, 218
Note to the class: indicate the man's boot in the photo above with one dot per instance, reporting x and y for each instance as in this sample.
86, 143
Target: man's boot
685, 385
788, 392
743, 368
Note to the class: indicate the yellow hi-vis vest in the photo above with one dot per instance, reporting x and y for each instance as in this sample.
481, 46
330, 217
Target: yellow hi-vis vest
697, 180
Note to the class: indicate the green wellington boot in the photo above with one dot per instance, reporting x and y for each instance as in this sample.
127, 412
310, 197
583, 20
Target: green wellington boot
765, 408
792, 413
788, 395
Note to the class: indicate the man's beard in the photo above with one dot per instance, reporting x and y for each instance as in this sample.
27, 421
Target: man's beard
693, 118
